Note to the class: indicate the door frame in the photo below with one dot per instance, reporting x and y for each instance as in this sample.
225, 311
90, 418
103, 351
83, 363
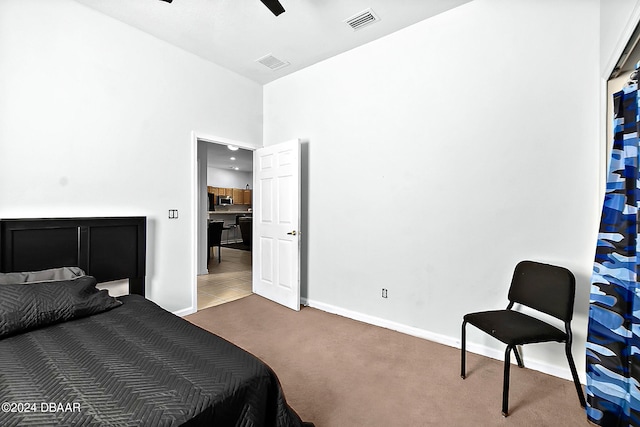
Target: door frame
194, 229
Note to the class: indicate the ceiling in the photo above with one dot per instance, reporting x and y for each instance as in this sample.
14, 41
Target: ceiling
219, 156
236, 33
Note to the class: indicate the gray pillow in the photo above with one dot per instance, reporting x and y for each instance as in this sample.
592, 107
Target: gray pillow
62, 273
28, 307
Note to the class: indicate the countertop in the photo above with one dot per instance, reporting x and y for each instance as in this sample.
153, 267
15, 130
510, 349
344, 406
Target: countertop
230, 212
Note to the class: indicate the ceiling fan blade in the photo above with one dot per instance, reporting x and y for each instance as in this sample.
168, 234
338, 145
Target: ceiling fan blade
274, 6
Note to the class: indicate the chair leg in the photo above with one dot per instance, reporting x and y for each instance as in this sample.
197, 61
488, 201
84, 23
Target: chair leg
463, 351
219, 255
505, 384
574, 374
518, 358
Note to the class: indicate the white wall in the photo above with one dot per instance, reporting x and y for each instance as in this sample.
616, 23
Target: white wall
217, 177
471, 118
96, 119
618, 19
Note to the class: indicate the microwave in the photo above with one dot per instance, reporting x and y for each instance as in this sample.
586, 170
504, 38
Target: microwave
224, 200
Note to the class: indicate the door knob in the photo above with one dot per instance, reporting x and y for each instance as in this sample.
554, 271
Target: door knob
292, 233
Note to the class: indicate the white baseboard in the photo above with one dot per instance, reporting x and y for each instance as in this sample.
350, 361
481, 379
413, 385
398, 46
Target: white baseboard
185, 311
482, 350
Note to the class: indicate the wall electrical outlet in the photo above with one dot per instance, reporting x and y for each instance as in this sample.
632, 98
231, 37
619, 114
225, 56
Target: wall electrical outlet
173, 213
384, 293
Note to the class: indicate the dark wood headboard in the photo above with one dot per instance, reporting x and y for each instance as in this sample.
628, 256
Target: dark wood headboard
110, 248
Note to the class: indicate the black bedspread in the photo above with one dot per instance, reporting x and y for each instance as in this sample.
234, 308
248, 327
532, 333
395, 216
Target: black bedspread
135, 365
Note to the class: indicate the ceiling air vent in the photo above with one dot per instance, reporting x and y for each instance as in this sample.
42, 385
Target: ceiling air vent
362, 19
272, 62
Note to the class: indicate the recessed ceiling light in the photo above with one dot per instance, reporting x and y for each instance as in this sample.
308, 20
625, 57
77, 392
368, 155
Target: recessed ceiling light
232, 147
232, 158
236, 168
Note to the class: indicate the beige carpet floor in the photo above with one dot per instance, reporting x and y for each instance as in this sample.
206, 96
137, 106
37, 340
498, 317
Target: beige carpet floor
340, 372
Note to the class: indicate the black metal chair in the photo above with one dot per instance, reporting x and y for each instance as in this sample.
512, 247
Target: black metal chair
246, 225
545, 288
214, 238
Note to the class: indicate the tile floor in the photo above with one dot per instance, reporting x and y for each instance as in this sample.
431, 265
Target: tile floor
228, 280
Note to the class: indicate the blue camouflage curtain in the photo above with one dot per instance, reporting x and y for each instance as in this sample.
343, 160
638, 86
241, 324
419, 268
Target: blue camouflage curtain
613, 342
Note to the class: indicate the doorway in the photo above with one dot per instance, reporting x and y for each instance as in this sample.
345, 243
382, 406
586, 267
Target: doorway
224, 196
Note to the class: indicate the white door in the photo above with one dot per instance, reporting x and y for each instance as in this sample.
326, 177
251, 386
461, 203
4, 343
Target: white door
276, 222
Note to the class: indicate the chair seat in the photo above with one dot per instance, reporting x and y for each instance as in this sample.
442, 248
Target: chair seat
514, 328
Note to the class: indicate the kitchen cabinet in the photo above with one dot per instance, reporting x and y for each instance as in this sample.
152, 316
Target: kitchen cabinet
239, 196
222, 191
218, 191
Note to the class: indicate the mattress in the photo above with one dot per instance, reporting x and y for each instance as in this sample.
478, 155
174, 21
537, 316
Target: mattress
135, 365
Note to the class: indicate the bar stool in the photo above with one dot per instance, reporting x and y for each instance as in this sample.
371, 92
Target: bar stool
235, 228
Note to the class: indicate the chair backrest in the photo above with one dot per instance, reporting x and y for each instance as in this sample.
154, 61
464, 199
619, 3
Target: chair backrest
546, 288
215, 233
246, 224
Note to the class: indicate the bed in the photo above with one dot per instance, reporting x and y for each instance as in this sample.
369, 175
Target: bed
72, 355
